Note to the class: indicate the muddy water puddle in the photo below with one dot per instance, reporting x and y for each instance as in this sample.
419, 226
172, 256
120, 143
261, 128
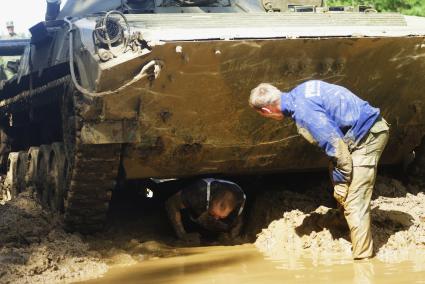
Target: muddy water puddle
245, 264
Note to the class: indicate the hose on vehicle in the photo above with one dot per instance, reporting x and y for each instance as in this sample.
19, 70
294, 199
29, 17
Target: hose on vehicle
151, 69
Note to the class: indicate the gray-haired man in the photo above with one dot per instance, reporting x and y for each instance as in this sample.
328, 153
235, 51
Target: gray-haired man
350, 131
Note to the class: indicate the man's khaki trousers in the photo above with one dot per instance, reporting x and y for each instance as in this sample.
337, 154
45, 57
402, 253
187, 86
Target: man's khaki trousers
365, 158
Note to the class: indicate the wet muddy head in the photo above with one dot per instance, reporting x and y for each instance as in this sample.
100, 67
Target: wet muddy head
220, 210
222, 205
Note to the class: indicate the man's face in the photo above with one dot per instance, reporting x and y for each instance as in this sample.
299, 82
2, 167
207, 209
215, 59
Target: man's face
219, 211
270, 112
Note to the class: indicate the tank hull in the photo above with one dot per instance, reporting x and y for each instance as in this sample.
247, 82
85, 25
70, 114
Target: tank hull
195, 119
166, 95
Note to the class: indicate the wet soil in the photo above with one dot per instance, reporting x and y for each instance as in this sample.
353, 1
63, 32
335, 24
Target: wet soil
35, 249
291, 218
311, 227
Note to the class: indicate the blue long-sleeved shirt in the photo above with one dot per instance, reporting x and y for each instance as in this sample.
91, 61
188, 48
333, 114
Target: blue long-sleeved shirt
331, 116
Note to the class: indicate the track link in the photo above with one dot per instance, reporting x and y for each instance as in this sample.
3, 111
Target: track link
91, 172
89, 191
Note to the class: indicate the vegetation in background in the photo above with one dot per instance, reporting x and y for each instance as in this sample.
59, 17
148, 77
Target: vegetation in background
407, 7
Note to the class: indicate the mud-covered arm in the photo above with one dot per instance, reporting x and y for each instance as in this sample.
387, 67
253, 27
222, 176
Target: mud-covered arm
236, 229
329, 138
326, 134
173, 206
231, 236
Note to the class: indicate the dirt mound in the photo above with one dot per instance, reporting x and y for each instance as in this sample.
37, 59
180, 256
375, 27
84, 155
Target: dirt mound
398, 224
23, 221
296, 235
271, 203
34, 248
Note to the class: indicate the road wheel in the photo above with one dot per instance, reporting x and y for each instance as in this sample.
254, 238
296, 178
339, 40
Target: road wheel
4, 150
12, 173
57, 176
42, 173
21, 168
31, 178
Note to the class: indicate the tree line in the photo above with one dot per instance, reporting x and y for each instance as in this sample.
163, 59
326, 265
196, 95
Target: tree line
407, 7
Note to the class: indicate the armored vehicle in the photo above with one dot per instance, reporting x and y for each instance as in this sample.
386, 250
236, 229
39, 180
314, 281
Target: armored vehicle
111, 90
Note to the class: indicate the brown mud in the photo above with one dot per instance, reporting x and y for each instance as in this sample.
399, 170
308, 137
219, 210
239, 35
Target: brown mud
34, 248
245, 264
292, 220
309, 227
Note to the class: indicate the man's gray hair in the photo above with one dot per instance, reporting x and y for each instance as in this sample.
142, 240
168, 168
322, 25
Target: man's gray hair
264, 95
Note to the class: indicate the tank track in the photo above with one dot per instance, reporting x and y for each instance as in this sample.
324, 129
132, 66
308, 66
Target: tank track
71, 177
92, 171
92, 178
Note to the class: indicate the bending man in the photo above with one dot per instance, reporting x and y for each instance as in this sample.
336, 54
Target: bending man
208, 207
351, 132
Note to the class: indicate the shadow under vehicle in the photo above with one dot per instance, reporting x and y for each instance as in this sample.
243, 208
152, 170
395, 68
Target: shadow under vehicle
124, 90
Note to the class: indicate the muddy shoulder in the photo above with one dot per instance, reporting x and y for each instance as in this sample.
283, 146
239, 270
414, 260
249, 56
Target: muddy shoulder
279, 219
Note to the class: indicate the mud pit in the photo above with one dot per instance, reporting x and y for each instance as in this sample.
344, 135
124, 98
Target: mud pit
292, 220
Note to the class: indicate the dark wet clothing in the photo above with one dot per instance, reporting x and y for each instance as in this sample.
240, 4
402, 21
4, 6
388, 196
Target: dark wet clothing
196, 201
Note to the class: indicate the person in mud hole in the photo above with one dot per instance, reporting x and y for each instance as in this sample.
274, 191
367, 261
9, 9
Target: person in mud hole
349, 130
211, 208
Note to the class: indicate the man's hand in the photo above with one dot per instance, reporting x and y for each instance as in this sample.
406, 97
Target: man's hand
191, 238
341, 192
211, 224
225, 239
236, 230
